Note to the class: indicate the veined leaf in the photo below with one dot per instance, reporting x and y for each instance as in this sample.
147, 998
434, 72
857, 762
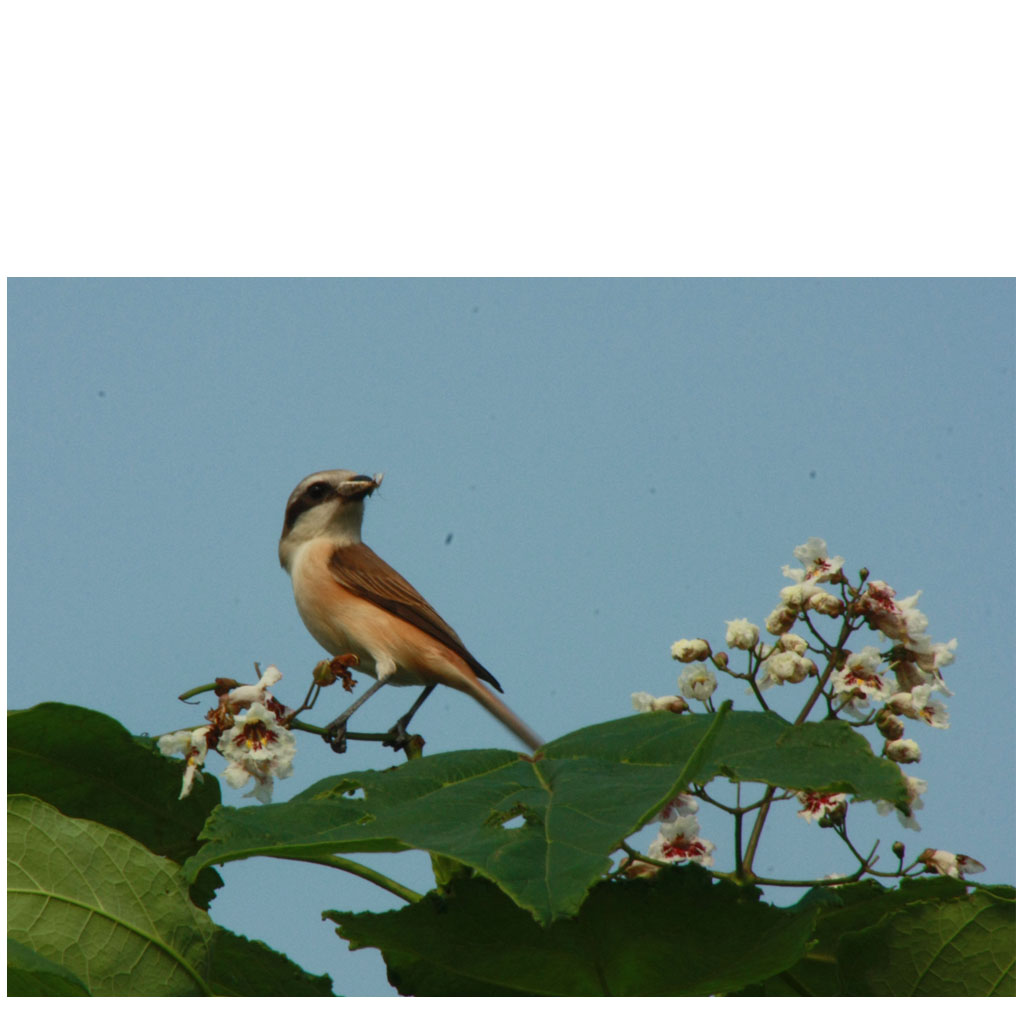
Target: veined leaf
961, 947
566, 809
101, 905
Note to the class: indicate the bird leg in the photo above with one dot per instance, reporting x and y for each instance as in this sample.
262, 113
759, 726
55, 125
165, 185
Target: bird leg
335, 733
397, 737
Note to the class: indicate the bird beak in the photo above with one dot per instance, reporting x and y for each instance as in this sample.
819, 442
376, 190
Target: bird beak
360, 486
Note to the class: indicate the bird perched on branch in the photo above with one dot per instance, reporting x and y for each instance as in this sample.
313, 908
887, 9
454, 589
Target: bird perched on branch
353, 602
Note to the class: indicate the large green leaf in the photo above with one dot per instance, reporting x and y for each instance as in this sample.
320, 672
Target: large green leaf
101, 905
860, 927
88, 765
676, 934
542, 828
960, 947
91, 911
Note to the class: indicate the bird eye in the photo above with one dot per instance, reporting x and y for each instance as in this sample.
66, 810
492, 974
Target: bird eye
318, 491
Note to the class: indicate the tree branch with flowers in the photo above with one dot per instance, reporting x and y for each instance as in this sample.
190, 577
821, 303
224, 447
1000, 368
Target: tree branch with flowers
855, 685
542, 882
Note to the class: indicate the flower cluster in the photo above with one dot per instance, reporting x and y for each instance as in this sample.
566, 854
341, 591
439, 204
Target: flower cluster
249, 729
885, 686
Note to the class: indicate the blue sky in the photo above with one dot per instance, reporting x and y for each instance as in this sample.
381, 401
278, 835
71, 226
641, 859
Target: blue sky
618, 463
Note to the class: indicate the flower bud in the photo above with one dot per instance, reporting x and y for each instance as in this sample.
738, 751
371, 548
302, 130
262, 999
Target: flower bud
792, 642
691, 650
902, 751
323, 674
889, 725
824, 603
648, 702
899, 849
793, 597
721, 660
779, 621
670, 703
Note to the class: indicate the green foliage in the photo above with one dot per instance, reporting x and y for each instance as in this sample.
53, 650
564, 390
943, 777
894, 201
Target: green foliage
929, 937
88, 766
959, 947
102, 905
242, 967
528, 902
97, 904
676, 934
542, 829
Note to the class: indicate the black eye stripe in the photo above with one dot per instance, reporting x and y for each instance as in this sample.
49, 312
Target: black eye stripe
315, 494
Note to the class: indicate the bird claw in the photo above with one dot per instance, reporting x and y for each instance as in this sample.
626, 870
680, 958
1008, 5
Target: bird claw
397, 738
335, 735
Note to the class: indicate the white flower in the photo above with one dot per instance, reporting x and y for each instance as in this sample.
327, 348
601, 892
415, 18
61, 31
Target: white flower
682, 806
826, 808
691, 650
860, 678
817, 565
741, 633
697, 682
191, 743
902, 751
921, 663
172, 743
257, 747
865, 663
918, 704
240, 697
642, 701
914, 788
677, 840
898, 620
936, 656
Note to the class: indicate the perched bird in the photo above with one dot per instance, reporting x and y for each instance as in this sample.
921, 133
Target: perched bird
353, 602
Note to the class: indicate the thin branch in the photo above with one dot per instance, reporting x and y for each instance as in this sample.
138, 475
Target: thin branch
746, 868
738, 832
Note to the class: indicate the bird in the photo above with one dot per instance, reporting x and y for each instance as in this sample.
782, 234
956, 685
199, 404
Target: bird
353, 602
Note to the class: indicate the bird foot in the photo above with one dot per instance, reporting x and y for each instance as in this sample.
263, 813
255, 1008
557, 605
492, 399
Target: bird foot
336, 734
397, 738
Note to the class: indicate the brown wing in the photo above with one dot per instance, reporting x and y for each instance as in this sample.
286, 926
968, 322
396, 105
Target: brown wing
359, 569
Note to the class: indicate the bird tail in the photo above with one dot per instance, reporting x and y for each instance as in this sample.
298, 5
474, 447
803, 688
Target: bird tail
501, 711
